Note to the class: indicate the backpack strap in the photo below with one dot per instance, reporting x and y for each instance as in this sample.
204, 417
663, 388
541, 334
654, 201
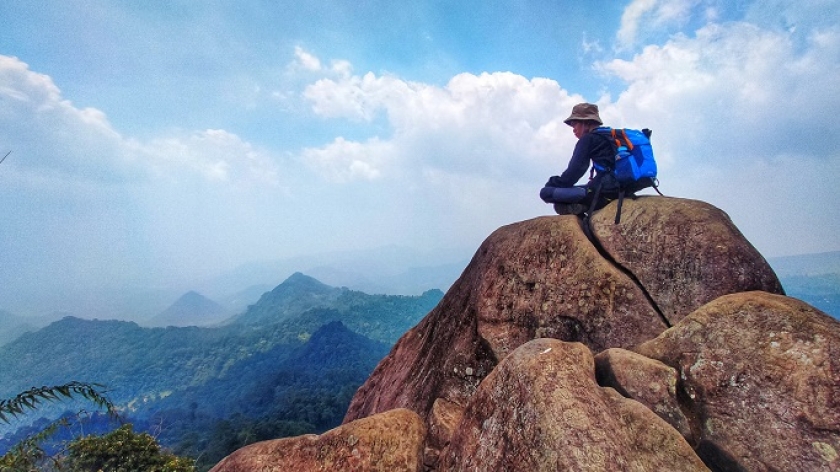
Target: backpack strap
620, 203
627, 143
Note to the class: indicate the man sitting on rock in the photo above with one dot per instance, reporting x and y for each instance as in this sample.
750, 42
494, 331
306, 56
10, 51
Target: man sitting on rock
571, 199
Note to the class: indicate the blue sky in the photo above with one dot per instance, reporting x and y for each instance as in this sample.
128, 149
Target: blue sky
164, 142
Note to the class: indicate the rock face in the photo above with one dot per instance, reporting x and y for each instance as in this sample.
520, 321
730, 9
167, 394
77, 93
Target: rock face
545, 278
389, 442
539, 278
760, 378
664, 343
683, 252
646, 380
541, 410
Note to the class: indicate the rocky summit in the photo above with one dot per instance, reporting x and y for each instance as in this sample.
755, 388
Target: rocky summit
664, 342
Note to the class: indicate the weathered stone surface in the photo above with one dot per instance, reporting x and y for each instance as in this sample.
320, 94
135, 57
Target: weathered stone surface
648, 381
541, 410
685, 253
537, 278
761, 375
388, 442
443, 419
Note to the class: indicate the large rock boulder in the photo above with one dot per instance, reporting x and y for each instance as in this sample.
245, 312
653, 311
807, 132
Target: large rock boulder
760, 380
646, 380
544, 278
538, 278
389, 442
684, 253
541, 410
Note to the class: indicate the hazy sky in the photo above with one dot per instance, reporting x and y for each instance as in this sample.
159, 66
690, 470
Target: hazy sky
154, 141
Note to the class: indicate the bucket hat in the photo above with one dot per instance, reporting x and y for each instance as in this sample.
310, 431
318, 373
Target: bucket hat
584, 112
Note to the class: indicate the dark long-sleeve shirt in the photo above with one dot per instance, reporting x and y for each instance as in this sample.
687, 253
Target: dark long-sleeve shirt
589, 148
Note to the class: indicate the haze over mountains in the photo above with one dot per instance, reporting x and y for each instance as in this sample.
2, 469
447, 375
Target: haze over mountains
387, 270
192, 309
814, 278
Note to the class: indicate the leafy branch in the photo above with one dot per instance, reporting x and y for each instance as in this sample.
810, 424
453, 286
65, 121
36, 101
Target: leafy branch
28, 455
32, 398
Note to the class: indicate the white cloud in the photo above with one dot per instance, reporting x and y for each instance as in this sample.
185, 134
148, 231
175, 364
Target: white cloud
732, 102
733, 91
49, 134
343, 160
51, 137
306, 60
742, 115
86, 205
649, 16
342, 68
631, 17
485, 125
218, 155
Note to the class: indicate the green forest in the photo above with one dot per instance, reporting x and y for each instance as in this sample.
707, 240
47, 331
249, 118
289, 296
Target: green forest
288, 365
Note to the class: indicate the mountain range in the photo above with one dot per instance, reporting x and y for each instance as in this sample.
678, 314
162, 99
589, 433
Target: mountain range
390, 270
395, 271
299, 352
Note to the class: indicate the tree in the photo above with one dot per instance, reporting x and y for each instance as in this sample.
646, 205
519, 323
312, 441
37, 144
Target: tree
29, 455
122, 450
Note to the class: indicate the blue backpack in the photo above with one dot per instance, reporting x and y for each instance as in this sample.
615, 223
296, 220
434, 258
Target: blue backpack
634, 167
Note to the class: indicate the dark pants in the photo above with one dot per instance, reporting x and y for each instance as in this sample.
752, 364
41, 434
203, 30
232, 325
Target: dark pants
563, 194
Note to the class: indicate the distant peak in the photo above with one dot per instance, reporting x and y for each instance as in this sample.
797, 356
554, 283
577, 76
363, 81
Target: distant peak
192, 294
299, 277
301, 280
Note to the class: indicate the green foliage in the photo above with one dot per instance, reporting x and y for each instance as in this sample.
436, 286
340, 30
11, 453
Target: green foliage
28, 455
32, 398
208, 391
119, 451
143, 362
123, 450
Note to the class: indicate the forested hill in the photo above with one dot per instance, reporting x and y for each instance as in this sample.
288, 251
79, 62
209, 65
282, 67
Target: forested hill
288, 365
135, 362
294, 296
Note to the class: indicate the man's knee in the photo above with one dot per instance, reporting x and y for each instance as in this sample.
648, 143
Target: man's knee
562, 194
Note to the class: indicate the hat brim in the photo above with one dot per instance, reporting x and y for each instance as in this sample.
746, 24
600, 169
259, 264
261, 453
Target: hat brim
570, 120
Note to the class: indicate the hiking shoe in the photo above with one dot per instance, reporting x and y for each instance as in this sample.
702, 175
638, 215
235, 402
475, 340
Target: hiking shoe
569, 208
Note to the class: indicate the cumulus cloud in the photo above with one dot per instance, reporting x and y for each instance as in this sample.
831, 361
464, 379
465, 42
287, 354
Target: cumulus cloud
718, 90
343, 160
57, 142
485, 124
52, 136
748, 91
651, 16
215, 154
735, 108
87, 206
306, 60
